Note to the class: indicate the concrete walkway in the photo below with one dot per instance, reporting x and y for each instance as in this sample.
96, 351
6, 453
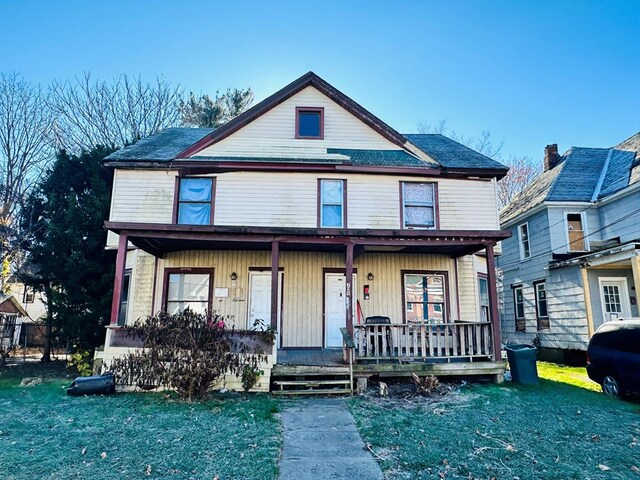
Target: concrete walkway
321, 441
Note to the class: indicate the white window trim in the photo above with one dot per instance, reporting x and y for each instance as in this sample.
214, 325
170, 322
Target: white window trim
585, 232
625, 301
537, 300
520, 246
515, 303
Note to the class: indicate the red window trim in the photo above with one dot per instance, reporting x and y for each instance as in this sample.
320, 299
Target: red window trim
187, 270
344, 202
310, 109
436, 207
447, 296
176, 198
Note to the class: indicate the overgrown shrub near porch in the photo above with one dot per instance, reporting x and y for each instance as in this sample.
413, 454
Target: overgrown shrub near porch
189, 353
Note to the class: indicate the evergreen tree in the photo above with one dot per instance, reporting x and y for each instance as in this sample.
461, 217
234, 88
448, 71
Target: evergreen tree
206, 112
66, 213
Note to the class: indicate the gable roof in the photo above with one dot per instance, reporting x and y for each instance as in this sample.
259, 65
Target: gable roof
582, 175
11, 299
306, 80
451, 154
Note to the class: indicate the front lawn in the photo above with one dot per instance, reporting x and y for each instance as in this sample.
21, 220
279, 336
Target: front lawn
46, 434
556, 430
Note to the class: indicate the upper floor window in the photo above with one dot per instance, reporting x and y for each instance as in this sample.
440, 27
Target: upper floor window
332, 203
518, 305
523, 236
419, 205
310, 122
29, 294
195, 201
575, 233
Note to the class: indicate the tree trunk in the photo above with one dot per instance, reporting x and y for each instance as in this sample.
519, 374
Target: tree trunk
46, 355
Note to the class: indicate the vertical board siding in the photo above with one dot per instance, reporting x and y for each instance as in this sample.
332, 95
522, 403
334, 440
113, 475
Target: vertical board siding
273, 133
303, 285
467, 277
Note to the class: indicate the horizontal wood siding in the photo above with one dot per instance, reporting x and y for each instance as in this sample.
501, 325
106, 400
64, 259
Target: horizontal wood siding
612, 218
273, 134
290, 200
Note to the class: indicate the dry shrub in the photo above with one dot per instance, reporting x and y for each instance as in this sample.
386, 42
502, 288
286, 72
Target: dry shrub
425, 385
188, 353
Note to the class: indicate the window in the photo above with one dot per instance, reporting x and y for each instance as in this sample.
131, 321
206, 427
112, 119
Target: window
523, 235
518, 302
188, 291
418, 205
424, 297
195, 201
124, 298
541, 306
575, 233
483, 298
332, 203
29, 295
310, 122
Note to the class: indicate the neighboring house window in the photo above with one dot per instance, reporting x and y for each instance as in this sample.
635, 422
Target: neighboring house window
483, 298
124, 298
188, 291
419, 205
525, 246
424, 297
195, 201
332, 203
29, 295
576, 233
542, 313
310, 122
518, 302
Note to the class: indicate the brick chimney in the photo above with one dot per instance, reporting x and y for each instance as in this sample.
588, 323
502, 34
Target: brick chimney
551, 157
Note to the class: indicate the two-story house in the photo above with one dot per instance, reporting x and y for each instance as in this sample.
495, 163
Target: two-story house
311, 214
572, 260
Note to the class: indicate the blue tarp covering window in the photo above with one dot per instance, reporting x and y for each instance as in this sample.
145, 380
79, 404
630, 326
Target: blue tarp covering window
195, 201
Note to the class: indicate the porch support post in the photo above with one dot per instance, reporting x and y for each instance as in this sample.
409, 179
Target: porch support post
275, 260
349, 288
121, 260
587, 297
635, 267
493, 302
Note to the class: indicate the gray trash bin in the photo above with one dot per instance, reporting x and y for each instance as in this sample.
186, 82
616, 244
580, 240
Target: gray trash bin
96, 385
522, 362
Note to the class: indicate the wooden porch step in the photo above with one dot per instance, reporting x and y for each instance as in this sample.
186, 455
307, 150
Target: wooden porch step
311, 383
326, 391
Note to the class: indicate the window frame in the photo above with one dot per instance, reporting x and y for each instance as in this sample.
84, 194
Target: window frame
447, 308
485, 278
187, 271
435, 206
177, 202
300, 110
29, 292
122, 319
585, 237
521, 322
320, 203
542, 320
521, 243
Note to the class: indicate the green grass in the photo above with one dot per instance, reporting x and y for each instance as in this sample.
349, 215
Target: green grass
46, 434
576, 376
555, 430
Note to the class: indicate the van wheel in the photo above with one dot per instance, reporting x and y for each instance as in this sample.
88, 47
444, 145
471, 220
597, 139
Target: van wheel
610, 386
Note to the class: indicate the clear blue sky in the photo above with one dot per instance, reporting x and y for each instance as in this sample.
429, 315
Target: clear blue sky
531, 73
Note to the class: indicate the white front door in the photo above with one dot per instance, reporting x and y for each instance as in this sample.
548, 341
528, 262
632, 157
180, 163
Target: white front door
335, 307
614, 296
259, 316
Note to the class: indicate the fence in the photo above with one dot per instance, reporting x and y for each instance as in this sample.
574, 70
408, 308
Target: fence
27, 340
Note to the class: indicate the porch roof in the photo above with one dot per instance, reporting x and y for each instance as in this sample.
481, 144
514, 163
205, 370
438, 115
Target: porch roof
608, 257
159, 239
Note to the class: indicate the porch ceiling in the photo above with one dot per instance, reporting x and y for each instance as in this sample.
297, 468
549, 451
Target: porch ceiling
161, 239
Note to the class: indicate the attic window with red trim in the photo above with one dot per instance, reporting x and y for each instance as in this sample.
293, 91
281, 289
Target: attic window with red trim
310, 122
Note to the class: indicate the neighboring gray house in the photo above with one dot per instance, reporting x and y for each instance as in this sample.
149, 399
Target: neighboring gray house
572, 261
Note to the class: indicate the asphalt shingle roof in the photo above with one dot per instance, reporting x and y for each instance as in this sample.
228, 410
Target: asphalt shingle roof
381, 158
451, 154
162, 146
575, 179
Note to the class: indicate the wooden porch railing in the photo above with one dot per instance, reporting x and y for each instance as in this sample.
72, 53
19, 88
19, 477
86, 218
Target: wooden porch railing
469, 340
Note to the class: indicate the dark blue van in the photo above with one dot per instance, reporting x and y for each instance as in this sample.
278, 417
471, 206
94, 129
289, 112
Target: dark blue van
613, 357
